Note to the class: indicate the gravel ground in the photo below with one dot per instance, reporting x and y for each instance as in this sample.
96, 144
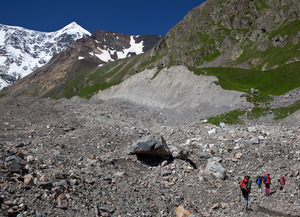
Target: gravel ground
69, 158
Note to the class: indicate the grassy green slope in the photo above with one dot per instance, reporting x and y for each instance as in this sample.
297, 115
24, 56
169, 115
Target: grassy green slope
268, 83
271, 82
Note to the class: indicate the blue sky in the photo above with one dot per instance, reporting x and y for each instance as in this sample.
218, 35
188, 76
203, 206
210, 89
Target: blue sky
133, 17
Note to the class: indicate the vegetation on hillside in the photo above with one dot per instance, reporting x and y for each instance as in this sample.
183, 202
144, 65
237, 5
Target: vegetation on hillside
268, 83
271, 82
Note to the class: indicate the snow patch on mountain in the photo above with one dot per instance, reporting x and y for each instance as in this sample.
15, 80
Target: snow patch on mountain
107, 54
136, 48
23, 50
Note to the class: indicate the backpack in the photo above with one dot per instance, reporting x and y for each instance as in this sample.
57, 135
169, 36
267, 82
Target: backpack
249, 185
259, 180
282, 180
245, 187
266, 179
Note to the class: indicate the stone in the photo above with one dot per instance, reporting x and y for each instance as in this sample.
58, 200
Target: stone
203, 155
261, 138
62, 201
254, 140
20, 145
215, 168
164, 163
218, 159
238, 155
253, 90
251, 129
151, 145
182, 212
215, 206
212, 131
222, 125
15, 164
226, 210
29, 179
29, 159
179, 153
45, 184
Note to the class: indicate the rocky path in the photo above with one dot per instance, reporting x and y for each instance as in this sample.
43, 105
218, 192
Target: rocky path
70, 158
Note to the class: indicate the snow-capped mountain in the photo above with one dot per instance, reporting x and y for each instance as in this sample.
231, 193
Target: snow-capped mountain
83, 57
22, 50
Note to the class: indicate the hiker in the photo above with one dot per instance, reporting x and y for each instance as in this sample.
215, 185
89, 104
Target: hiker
259, 182
267, 182
280, 185
245, 187
281, 182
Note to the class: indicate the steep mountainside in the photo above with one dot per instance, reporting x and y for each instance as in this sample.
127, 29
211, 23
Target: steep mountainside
262, 34
22, 50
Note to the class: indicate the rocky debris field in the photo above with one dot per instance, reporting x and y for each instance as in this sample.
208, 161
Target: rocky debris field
77, 158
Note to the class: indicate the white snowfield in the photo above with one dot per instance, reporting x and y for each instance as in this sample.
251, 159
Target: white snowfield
23, 50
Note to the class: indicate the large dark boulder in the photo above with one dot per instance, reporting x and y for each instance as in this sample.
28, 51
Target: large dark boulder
154, 145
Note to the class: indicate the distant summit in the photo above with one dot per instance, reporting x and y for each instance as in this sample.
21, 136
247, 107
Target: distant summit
74, 28
23, 50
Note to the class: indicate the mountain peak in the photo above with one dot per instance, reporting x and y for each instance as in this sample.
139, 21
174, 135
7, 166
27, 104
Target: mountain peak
73, 24
74, 27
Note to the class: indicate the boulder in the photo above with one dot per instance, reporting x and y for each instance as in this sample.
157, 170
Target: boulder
215, 168
152, 145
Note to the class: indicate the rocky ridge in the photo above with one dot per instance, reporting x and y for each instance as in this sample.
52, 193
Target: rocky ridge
231, 33
70, 158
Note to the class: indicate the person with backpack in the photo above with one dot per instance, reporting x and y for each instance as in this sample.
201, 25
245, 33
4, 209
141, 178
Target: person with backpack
259, 182
245, 187
267, 182
281, 182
